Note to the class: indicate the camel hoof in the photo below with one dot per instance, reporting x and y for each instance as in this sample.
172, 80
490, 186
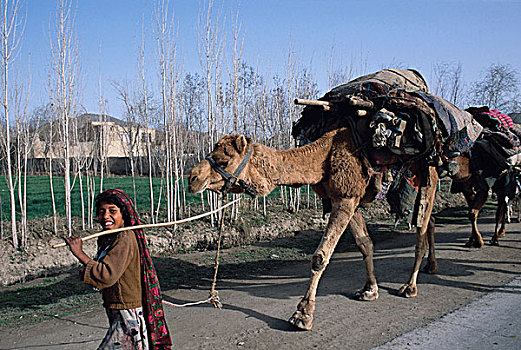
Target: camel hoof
474, 243
495, 242
367, 294
301, 321
303, 317
408, 291
478, 244
430, 268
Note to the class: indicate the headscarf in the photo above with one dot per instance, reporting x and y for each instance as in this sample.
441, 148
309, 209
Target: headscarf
152, 300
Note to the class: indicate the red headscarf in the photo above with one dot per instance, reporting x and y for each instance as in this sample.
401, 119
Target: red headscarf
152, 300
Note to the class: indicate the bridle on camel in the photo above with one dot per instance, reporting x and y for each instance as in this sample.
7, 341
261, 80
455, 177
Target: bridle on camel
231, 179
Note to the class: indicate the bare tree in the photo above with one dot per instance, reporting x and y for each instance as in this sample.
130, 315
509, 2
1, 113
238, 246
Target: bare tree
210, 55
145, 118
26, 130
10, 33
102, 130
448, 83
498, 88
341, 72
83, 155
49, 140
238, 46
169, 72
211, 46
65, 78
132, 129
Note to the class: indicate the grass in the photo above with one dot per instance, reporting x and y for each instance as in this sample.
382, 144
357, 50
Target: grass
39, 194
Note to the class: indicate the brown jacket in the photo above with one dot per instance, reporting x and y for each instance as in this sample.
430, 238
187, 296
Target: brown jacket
118, 275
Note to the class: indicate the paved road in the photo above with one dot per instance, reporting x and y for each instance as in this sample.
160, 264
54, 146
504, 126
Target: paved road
491, 322
256, 306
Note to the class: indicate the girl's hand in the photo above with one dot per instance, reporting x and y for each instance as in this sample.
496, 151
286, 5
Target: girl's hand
76, 246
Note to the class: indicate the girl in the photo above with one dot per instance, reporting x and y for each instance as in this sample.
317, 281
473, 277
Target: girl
123, 270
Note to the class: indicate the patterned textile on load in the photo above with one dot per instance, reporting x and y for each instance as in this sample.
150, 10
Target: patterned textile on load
396, 125
499, 146
314, 122
394, 110
378, 84
491, 118
456, 125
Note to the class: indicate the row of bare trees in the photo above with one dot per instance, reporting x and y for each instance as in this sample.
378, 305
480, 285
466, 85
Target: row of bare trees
188, 110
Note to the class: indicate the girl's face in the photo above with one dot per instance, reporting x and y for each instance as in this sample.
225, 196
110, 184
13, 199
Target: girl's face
110, 216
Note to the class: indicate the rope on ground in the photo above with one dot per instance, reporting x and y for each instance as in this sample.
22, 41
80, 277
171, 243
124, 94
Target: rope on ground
188, 304
214, 295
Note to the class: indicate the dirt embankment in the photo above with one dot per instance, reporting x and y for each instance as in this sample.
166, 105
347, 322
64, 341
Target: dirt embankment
38, 259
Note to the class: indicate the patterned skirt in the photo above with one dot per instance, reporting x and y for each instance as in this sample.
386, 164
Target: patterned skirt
127, 330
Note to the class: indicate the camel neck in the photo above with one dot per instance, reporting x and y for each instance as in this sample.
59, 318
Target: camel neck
295, 167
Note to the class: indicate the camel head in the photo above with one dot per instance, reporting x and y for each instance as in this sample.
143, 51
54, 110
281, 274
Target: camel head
222, 167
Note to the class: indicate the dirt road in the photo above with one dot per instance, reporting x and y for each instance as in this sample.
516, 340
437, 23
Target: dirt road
256, 307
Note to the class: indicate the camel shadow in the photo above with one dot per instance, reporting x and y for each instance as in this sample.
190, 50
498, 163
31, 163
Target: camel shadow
286, 279
345, 275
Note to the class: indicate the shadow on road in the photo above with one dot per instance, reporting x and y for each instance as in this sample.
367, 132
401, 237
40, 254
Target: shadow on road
394, 256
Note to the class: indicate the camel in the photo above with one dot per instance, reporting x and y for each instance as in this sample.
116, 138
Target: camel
383, 122
475, 189
497, 158
334, 169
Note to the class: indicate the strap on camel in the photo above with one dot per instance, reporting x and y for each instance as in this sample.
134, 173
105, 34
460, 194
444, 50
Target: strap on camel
231, 179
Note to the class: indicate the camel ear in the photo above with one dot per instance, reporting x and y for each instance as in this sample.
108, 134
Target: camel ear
241, 143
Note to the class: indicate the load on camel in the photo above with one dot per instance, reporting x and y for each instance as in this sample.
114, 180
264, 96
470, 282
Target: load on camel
493, 162
376, 124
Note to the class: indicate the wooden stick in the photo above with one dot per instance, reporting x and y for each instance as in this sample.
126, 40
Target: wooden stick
102, 233
302, 101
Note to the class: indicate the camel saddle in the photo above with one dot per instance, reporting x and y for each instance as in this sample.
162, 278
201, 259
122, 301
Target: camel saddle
395, 123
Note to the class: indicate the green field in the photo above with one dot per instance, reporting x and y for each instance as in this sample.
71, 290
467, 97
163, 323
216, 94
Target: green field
39, 194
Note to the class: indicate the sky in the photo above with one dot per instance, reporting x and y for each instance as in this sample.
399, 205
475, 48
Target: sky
372, 34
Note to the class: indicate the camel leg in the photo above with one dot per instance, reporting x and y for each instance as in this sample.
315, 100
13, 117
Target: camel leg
364, 243
428, 192
499, 230
341, 214
432, 265
476, 202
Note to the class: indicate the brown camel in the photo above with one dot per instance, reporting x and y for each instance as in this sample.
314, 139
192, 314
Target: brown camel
495, 156
334, 170
476, 189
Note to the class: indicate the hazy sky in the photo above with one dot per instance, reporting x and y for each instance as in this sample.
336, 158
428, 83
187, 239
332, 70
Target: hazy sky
372, 34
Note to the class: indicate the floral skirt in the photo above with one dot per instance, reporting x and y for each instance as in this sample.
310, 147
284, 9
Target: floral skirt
127, 330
